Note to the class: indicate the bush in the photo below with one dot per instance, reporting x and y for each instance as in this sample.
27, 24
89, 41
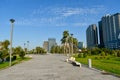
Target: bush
101, 57
14, 58
8, 59
108, 58
118, 54
80, 55
84, 55
102, 53
22, 54
96, 57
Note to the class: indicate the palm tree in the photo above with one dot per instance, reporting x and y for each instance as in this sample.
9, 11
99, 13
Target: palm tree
75, 45
64, 40
38, 49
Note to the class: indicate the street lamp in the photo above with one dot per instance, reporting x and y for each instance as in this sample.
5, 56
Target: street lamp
72, 44
11, 37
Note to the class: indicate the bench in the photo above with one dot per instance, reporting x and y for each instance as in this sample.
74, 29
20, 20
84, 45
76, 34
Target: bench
72, 61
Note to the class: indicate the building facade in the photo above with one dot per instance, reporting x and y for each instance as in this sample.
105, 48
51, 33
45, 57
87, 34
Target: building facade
92, 36
51, 43
80, 45
45, 45
101, 34
109, 31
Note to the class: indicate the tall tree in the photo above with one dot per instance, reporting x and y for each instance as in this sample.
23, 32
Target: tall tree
75, 45
70, 43
64, 40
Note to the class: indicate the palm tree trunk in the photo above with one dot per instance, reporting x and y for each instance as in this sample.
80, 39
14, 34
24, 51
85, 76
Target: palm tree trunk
64, 48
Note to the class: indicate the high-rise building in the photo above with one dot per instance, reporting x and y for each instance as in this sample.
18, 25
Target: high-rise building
80, 45
109, 30
45, 45
51, 42
92, 36
117, 25
101, 34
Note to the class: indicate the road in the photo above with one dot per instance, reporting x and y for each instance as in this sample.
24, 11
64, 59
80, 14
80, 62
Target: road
51, 67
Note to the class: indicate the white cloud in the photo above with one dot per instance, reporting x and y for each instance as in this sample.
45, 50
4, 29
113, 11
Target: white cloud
82, 11
67, 11
61, 16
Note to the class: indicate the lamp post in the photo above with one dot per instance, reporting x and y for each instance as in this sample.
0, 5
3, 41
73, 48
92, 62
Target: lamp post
72, 44
11, 37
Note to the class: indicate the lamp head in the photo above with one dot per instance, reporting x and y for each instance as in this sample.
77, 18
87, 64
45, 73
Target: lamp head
12, 20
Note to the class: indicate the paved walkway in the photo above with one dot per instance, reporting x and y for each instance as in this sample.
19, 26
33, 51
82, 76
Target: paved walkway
51, 67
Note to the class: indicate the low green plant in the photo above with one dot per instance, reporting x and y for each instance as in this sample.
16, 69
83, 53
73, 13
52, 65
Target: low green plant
80, 55
107, 63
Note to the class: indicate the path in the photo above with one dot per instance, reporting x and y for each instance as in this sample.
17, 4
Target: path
51, 67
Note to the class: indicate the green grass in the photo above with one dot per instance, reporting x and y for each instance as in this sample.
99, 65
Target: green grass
19, 60
4, 65
110, 65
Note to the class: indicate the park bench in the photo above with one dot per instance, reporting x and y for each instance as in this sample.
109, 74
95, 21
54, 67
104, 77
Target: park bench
72, 61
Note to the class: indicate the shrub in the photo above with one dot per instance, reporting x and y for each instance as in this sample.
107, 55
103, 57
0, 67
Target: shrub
118, 54
80, 55
101, 57
22, 54
108, 58
102, 53
96, 57
84, 55
8, 59
14, 58
104, 57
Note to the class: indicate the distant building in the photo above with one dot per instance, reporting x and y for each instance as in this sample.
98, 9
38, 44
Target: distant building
51, 43
109, 31
46, 45
92, 36
80, 45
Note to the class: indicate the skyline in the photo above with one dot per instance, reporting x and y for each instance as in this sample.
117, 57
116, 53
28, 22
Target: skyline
38, 20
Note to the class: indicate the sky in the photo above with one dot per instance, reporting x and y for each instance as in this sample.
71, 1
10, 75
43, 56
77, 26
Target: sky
38, 20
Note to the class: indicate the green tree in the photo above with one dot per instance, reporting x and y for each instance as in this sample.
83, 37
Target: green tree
17, 51
62, 49
4, 50
64, 40
75, 45
4, 54
40, 50
52, 49
5, 44
22, 54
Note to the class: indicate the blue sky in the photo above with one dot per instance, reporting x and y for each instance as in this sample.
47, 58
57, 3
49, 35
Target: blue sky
38, 20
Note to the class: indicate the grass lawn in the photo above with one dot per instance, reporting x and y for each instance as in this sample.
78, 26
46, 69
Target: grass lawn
19, 60
109, 63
